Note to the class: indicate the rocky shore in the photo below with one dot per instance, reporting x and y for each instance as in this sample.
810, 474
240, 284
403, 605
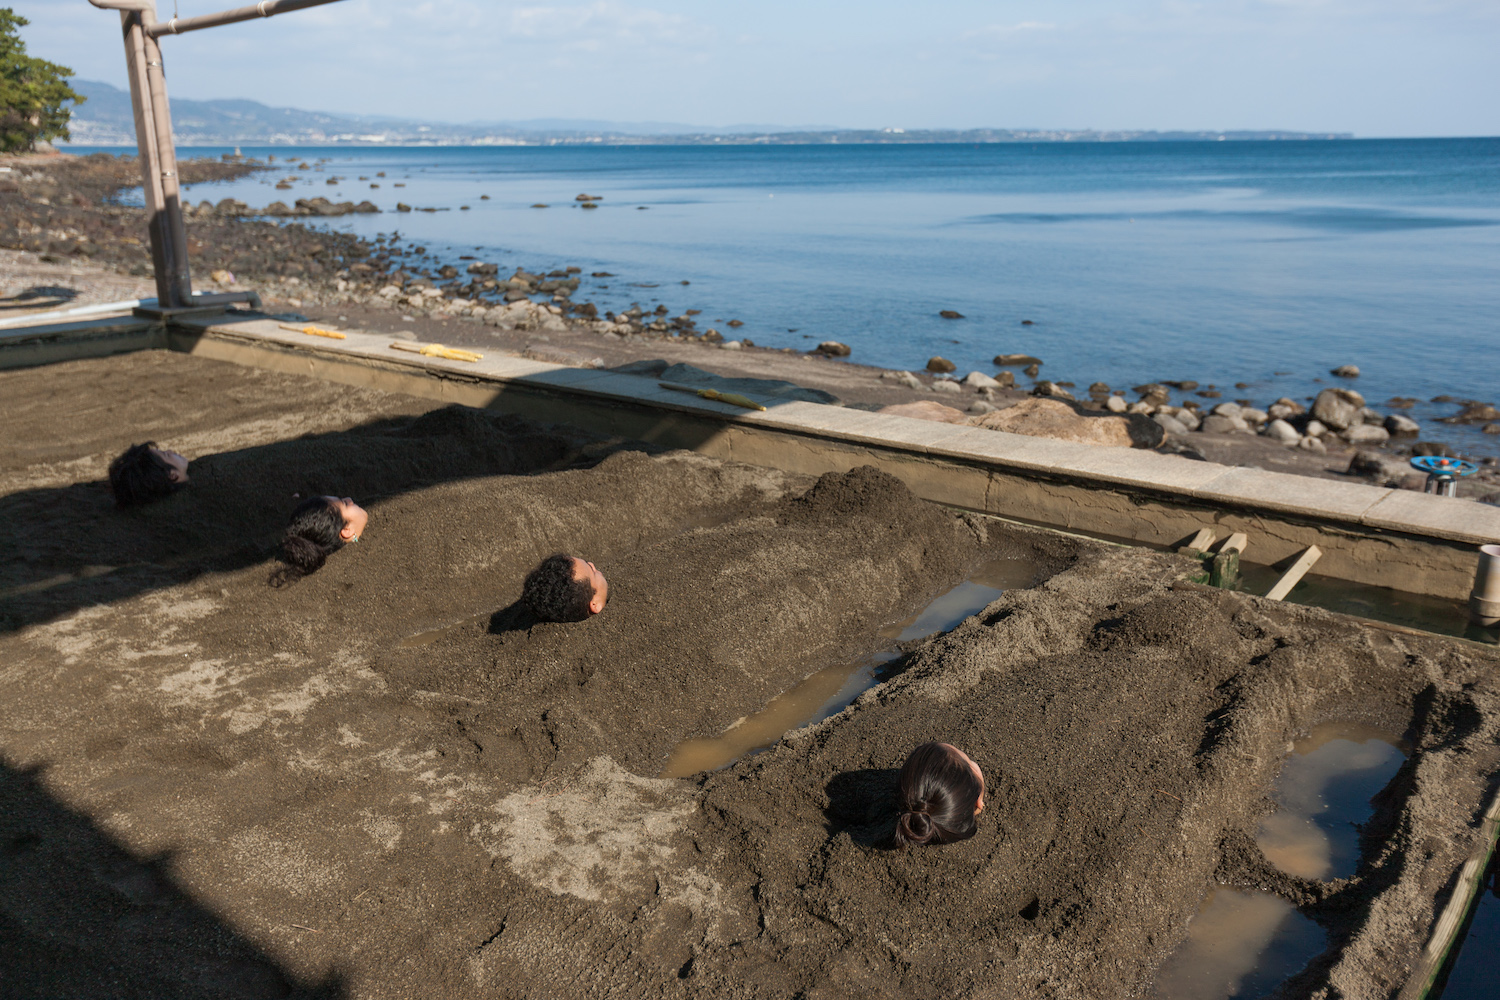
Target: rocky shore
65, 209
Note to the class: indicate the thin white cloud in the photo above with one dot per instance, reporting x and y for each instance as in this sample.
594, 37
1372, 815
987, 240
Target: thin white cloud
1007, 30
604, 23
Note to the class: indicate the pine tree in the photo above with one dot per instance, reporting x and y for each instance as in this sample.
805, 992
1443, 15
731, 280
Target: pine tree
33, 92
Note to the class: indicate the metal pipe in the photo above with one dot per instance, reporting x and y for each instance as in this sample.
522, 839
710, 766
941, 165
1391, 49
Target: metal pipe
1484, 601
166, 151
266, 8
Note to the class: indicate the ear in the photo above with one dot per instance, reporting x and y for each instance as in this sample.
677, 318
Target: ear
174, 475
596, 603
346, 532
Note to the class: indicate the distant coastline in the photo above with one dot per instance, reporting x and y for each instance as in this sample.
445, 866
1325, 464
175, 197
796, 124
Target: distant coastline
106, 120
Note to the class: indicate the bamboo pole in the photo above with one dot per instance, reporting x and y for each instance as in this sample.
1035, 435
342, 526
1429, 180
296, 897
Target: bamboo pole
132, 25
172, 222
266, 8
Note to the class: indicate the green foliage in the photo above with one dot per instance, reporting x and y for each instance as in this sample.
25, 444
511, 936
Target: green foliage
33, 92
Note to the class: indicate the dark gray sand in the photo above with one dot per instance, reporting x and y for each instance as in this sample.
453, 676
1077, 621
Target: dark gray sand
384, 781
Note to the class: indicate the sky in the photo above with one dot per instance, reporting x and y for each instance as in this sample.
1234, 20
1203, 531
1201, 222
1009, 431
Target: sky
1370, 67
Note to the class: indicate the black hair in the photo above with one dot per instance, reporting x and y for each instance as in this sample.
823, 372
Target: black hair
312, 535
139, 475
939, 793
553, 595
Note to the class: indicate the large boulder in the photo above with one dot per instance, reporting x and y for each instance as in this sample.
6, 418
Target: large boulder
1339, 408
1039, 416
940, 365
979, 380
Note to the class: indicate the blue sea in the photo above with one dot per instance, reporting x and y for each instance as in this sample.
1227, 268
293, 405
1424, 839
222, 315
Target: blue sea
1260, 263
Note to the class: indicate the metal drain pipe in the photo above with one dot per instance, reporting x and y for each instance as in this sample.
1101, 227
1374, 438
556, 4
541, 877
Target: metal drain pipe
1484, 601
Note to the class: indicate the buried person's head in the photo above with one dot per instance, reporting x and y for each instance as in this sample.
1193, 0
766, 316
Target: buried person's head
564, 588
941, 796
144, 472
319, 527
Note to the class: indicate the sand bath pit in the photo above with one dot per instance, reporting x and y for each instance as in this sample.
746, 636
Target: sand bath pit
224, 789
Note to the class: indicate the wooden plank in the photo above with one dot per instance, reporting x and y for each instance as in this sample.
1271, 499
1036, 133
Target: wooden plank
1298, 569
1201, 541
1236, 542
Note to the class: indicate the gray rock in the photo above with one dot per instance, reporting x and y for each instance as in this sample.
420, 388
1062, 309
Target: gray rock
1315, 428
1399, 425
1254, 417
1226, 410
1313, 444
1216, 423
979, 380
1187, 418
1370, 416
731, 345
1282, 432
1052, 390
1366, 434
1116, 404
940, 365
945, 385
1346, 371
1170, 424
903, 378
1283, 408
981, 407
1339, 408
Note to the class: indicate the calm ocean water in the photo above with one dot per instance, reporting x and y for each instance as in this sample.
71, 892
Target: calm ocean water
1266, 263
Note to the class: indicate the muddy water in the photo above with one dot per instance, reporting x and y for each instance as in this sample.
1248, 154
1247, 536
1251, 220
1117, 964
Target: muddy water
1242, 944
1430, 614
831, 689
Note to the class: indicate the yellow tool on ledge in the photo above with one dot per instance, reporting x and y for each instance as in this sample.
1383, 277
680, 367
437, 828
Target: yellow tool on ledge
313, 331
732, 398
437, 351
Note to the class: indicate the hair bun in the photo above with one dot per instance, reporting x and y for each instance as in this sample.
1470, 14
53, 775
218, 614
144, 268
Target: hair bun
915, 827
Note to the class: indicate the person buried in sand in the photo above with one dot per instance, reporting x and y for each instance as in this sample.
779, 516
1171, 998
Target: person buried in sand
145, 472
942, 795
319, 527
565, 588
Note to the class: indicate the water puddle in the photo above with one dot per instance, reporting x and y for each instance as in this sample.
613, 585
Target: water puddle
1243, 944
831, 689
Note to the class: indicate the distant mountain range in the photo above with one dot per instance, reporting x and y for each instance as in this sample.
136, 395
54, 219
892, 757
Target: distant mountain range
107, 120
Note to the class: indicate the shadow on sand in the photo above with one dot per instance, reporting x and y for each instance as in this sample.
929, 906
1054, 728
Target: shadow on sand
83, 917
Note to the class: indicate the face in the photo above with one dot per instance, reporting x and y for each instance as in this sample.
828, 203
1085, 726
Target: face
177, 465
979, 806
354, 516
583, 570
